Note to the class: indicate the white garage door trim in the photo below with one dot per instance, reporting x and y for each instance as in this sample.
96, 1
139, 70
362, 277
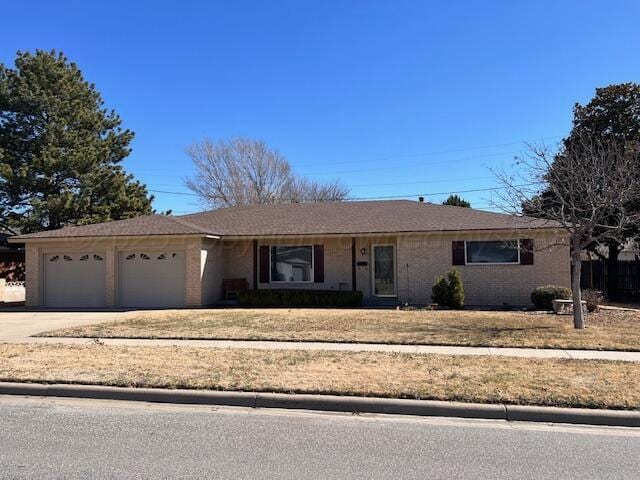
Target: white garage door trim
73, 279
151, 278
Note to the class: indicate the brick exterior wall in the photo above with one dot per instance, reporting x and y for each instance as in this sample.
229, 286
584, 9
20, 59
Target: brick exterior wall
111, 249
420, 259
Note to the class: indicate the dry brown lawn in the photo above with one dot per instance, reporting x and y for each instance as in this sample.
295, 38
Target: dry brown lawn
575, 383
607, 330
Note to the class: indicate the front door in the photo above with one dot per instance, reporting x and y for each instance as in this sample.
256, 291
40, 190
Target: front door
384, 271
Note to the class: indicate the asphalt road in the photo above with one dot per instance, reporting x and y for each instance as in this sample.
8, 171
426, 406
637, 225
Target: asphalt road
44, 438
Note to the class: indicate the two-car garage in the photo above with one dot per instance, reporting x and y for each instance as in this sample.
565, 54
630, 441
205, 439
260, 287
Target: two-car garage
141, 278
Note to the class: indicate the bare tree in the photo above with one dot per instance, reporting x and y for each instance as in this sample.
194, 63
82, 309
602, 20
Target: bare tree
305, 190
243, 171
584, 187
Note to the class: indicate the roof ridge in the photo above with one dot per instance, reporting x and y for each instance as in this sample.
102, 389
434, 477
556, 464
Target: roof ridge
286, 204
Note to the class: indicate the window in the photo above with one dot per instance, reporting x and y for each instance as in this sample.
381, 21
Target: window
494, 251
291, 264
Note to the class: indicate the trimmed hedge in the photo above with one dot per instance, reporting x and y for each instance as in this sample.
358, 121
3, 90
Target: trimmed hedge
543, 297
299, 298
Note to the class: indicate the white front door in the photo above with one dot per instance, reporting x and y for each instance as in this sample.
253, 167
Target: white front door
384, 271
154, 279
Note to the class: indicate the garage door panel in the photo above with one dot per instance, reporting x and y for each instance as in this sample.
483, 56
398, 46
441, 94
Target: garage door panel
75, 280
152, 279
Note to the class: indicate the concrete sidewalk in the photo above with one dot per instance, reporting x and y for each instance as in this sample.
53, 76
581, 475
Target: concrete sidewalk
351, 347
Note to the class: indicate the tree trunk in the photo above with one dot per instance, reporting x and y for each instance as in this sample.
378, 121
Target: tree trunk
612, 269
576, 271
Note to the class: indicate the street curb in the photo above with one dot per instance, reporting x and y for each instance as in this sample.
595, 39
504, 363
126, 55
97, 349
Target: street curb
332, 403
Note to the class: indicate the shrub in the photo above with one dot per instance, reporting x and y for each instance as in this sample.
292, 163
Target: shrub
439, 291
543, 297
593, 299
299, 298
448, 290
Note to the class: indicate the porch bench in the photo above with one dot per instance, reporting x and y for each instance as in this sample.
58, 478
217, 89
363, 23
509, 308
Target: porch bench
232, 286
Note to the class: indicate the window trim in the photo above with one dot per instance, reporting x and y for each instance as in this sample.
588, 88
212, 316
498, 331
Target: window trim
466, 262
313, 258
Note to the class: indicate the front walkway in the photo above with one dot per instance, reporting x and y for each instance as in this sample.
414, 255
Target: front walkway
352, 347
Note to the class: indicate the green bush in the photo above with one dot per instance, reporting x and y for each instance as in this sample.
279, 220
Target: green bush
439, 291
543, 297
448, 290
299, 298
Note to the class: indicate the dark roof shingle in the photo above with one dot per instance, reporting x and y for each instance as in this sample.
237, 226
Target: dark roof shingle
345, 218
143, 225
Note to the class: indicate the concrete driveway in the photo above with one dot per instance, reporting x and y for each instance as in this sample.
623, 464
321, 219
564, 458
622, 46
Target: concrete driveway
17, 324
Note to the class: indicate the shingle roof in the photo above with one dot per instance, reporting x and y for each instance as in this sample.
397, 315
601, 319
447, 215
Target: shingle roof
389, 216
143, 225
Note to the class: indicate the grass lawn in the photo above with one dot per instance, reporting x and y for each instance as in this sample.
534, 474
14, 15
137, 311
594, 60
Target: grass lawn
575, 383
607, 330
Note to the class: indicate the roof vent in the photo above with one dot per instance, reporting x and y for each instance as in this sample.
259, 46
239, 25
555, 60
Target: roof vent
421, 199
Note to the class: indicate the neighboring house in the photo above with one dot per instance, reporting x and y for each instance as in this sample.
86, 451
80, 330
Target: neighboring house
390, 250
11, 271
630, 251
11, 260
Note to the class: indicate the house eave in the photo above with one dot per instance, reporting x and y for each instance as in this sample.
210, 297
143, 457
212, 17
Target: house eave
509, 231
107, 237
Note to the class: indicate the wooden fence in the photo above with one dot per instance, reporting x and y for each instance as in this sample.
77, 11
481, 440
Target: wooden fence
595, 275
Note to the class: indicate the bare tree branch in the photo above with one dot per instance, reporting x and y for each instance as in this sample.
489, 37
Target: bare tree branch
584, 187
242, 171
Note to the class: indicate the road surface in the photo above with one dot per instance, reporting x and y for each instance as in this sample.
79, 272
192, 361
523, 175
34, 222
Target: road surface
66, 438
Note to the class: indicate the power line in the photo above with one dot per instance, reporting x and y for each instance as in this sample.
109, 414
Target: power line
417, 182
174, 193
440, 152
441, 193
386, 196
421, 164
398, 156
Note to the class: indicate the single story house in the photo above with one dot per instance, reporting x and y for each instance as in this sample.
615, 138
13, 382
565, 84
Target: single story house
392, 251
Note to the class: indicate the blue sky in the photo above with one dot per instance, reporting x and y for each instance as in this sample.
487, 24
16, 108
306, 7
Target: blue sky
395, 98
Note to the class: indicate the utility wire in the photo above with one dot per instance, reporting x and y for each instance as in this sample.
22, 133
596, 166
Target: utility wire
399, 156
386, 196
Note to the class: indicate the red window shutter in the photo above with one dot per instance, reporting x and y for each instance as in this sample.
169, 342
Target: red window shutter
264, 264
526, 251
457, 253
318, 263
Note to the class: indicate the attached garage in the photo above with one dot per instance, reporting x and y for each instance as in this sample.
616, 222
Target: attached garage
152, 279
74, 280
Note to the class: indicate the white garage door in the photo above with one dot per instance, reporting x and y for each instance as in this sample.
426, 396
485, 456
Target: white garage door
152, 279
74, 280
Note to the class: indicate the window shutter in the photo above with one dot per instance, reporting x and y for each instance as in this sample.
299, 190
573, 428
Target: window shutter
264, 264
318, 263
457, 253
526, 251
